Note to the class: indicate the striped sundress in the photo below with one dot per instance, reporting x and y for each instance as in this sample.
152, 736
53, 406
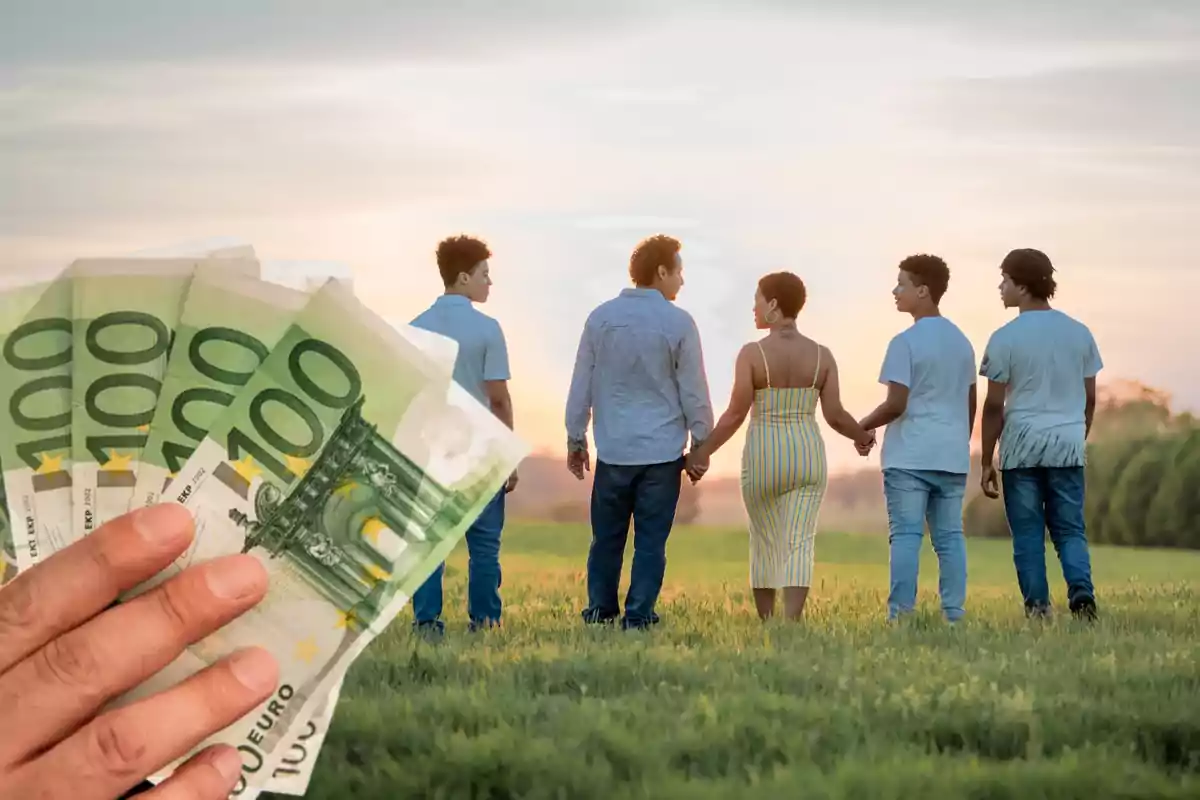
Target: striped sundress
783, 482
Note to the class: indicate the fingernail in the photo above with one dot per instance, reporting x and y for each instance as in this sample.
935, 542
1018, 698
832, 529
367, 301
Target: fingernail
163, 524
255, 669
229, 764
234, 577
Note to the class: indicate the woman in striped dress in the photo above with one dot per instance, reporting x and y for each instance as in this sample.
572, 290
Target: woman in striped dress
778, 381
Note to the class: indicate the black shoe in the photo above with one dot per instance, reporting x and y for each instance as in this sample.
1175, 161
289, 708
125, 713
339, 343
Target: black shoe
1083, 606
594, 616
641, 624
1037, 610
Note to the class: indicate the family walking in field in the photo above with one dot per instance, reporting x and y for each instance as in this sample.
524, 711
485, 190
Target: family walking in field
639, 381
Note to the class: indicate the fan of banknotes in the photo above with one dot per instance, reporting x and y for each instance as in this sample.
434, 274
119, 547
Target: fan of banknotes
292, 421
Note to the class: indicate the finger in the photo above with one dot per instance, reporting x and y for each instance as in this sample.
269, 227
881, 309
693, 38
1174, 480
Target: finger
211, 774
117, 749
64, 683
78, 582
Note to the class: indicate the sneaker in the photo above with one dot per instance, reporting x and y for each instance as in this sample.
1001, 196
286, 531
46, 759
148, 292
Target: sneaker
1084, 607
1037, 610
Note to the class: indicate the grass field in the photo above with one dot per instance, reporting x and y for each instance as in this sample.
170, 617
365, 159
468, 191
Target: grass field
713, 704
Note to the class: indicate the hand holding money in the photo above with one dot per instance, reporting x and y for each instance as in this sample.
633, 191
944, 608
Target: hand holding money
64, 651
299, 430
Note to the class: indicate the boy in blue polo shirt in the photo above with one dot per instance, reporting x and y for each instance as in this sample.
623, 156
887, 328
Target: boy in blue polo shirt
481, 368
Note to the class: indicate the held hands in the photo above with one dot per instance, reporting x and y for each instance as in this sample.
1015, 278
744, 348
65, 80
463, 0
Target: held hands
990, 481
696, 464
64, 653
865, 443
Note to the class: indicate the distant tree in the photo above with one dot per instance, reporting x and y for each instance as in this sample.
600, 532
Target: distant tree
1135, 490
1173, 519
1106, 461
688, 510
984, 516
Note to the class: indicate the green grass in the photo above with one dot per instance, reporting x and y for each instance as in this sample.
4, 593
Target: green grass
713, 704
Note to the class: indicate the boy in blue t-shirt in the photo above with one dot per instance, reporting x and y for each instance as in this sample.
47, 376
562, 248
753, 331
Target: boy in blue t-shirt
1041, 369
929, 412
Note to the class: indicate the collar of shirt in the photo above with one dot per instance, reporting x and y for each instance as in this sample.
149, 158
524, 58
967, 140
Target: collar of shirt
642, 291
453, 300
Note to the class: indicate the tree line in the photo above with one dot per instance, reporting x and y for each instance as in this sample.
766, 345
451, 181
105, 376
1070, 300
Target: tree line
1143, 474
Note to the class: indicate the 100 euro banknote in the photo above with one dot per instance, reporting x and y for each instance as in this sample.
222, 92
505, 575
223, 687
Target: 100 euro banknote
350, 465
125, 311
35, 415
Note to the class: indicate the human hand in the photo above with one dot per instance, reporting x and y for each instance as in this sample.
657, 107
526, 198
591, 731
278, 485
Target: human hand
511, 483
64, 654
696, 464
579, 462
990, 481
864, 444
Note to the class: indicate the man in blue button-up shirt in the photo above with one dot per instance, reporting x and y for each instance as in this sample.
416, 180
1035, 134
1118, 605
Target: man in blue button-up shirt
481, 368
639, 378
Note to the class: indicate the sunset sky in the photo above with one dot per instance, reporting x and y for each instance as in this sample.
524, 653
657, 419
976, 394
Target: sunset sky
779, 135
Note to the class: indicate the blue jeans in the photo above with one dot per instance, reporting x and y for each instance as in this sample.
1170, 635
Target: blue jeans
647, 494
1037, 498
915, 497
483, 574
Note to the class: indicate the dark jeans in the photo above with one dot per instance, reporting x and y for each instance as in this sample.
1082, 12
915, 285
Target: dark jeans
1037, 498
648, 494
483, 574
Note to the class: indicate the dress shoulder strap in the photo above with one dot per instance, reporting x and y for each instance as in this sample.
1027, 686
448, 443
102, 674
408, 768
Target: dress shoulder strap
817, 373
766, 367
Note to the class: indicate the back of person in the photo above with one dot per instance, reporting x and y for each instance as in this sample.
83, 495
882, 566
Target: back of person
784, 450
936, 361
637, 339
1048, 353
480, 341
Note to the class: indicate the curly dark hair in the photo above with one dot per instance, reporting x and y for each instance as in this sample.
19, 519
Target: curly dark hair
1032, 269
459, 254
928, 271
652, 252
786, 289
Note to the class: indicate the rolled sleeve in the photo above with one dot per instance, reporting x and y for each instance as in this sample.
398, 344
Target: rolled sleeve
693, 384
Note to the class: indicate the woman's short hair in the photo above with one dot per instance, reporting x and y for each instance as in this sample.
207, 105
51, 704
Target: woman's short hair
786, 289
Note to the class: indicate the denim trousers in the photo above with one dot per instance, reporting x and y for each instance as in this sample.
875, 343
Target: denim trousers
914, 498
648, 495
1041, 498
483, 574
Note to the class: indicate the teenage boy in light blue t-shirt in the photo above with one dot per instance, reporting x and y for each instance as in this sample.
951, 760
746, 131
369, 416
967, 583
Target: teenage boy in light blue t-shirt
929, 412
1041, 369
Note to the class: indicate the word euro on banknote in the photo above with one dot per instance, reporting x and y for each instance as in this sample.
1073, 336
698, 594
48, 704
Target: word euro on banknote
350, 465
35, 413
125, 311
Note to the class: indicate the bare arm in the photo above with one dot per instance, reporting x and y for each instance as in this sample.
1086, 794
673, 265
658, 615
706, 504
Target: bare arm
740, 401
890, 410
500, 401
831, 405
972, 407
1089, 407
993, 420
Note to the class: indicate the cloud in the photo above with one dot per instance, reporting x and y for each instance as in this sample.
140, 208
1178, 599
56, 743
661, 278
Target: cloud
49, 32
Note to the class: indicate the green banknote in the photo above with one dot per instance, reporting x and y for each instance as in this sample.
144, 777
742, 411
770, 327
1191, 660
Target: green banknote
350, 465
8, 552
35, 415
125, 311
227, 327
